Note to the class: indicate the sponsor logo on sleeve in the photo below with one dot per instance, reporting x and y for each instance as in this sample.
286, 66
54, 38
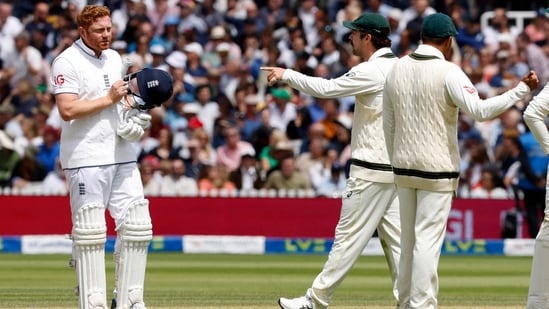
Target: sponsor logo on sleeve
59, 79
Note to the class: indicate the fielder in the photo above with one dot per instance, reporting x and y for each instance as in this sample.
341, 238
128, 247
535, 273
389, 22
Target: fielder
538, 292
422, 98
99, 160
370, 199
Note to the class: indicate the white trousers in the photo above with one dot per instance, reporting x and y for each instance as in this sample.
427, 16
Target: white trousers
538, 291
365, 206
115, 186
423, 217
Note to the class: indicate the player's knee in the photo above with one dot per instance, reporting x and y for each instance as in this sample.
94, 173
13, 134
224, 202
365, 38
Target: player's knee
89, 227
137, 223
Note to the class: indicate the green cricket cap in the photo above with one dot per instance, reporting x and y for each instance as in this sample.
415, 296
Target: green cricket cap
438, 25
372, 23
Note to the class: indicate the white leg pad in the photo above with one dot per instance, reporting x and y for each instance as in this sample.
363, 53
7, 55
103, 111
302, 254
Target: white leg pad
538, 291
134, 238
89, 234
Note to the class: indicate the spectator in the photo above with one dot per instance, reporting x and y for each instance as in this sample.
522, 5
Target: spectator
534, 56
248, 176
27, 62
194, 65
158, 56
9, 158
190, 21
48, 152
490, 185
164, 149
194, 162
282, 109
10, 25
215, 179
535, 29
30, 138
230, 153
267, 161
297, 129
209, 109
158, 14
151, 183
532, 182
287, 177
55, 182
176, 183
250, 120
23, 98
498, 25
8, 123
321, 171
334, 185
28, 173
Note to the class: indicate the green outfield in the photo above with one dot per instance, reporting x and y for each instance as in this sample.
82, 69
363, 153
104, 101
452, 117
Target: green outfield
257, 281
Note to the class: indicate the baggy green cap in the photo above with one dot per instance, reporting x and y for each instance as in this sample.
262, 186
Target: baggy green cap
438, 25
372, 23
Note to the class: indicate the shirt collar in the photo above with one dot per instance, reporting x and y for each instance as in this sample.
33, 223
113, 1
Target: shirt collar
80, 44
429, 50
380, 52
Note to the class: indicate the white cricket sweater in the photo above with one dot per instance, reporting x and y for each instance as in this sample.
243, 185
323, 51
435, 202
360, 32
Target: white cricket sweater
370, 160
422, 98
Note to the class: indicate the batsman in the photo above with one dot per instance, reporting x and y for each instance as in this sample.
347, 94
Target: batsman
104, 113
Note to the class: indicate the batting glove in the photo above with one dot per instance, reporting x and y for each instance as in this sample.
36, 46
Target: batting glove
142, 119
130, 131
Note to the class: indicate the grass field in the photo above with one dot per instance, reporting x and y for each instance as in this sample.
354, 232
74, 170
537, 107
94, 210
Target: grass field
177, 280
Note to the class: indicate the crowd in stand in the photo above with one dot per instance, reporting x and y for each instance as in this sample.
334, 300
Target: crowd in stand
226, 131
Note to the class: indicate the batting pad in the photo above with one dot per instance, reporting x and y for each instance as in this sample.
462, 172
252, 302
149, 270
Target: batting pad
133, 237
89, 234
538, 291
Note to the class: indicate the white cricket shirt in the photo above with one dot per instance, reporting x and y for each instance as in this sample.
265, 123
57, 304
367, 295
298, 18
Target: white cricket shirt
92, 140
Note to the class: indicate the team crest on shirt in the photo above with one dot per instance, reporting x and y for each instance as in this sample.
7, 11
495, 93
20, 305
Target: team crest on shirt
470, 89
59, 79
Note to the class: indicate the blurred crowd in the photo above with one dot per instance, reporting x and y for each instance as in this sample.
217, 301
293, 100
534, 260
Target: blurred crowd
225, 131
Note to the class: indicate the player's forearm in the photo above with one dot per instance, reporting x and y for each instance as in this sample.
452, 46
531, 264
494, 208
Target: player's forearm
82, 108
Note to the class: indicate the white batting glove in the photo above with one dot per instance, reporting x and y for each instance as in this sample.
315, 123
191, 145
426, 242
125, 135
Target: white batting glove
142, 119
130, 131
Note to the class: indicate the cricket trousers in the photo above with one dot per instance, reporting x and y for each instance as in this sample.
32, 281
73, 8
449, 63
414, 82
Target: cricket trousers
423, 221
366, 206
538, 291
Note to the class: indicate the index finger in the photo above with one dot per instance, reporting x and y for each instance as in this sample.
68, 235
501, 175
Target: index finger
266, 68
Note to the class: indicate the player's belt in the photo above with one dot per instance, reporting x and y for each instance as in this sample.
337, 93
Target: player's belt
372, 166
424, 174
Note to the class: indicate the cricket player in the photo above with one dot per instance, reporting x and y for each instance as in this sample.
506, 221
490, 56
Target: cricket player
370, 199
99, 160
538, 292
422, 98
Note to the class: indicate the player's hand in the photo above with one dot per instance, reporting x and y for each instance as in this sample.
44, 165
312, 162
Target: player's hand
143, 119
274, 74
531, 79
130, 131
118, 90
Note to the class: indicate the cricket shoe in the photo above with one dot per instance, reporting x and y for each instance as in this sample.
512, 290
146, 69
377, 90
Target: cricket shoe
138, 306
303, 302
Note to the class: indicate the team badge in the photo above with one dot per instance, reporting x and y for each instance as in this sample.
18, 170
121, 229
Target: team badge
470, 89
59, 79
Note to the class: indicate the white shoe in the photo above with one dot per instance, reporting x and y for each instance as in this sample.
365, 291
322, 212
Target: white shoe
303, 302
